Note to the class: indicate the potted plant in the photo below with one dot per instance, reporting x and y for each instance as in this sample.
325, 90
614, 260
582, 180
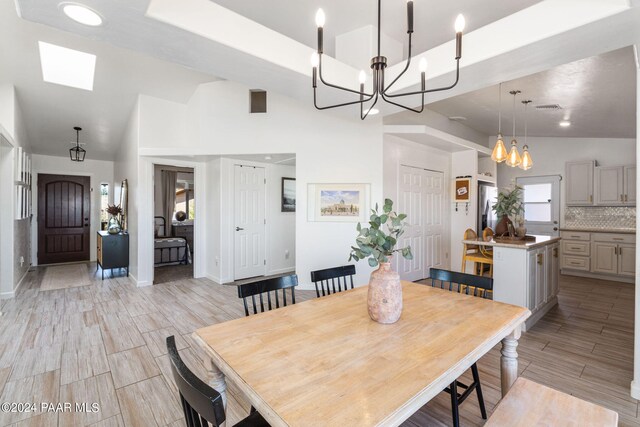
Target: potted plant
384, 299
114, 212
507, 207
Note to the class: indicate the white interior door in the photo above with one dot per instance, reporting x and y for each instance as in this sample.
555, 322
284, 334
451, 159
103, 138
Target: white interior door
541, 197
421, 198
434, 236
249, 213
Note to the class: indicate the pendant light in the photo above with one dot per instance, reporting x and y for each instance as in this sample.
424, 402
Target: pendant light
514, 159
499, 153
526, 163
77, 153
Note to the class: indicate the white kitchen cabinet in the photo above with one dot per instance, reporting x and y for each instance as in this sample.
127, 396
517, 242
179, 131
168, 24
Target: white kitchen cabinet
604, 258
552, 266
609, 185
629, 173
627, 259
579, 183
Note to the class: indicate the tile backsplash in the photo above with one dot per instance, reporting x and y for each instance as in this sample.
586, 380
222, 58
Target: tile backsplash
600, 217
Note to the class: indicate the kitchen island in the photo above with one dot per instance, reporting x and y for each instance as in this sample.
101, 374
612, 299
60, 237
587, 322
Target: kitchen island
525, 273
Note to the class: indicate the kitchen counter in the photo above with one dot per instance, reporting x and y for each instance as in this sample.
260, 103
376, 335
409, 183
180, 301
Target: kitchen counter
600, 230
516, 244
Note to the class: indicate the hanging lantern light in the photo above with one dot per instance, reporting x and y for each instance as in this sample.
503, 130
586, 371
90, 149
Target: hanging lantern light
77, 153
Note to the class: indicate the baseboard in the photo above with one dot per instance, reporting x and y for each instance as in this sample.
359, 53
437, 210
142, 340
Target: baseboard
139, 283
7, 295
635, 389
12, 294
213, 278
291, 270
589, 275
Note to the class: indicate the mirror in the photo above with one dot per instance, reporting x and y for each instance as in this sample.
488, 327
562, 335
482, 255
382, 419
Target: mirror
124, 204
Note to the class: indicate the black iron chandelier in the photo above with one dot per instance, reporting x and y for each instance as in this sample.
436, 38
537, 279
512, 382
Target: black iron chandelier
77, 153
378, 65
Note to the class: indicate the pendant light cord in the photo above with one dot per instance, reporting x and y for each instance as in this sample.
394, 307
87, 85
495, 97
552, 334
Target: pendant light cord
379, 29
514, 114
500, 109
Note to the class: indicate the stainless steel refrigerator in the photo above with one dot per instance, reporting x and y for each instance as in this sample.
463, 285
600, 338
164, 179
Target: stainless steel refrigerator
487, 195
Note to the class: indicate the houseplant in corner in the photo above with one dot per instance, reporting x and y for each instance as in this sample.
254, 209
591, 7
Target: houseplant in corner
508, 205
384, 299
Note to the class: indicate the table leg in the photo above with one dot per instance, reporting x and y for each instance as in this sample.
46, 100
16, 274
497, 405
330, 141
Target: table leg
216, 379
509, 360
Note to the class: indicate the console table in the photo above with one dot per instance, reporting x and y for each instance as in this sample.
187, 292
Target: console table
113, 251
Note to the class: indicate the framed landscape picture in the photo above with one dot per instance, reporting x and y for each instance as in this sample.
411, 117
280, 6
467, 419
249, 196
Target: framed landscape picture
338, 202
288, 203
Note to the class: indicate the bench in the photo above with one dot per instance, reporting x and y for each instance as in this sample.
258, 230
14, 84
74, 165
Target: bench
530, 404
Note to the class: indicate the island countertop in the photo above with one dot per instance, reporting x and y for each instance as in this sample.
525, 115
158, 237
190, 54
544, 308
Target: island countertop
516, 244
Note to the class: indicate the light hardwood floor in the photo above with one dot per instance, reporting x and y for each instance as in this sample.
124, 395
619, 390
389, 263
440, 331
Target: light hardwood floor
105, 343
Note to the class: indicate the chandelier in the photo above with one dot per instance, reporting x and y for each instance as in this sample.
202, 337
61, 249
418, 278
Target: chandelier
378, 66
77, 153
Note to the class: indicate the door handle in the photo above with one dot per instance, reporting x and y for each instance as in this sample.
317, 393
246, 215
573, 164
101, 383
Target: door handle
239, 229
555, 228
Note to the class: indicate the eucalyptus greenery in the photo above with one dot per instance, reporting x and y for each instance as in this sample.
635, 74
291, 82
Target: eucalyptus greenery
374, 243
509, 203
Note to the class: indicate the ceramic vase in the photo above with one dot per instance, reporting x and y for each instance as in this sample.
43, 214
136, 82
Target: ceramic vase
502, 228
384, 298
114, 225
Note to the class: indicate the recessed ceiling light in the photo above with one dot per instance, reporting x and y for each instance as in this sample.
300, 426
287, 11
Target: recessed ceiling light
565, 123
373, 111
67, 67
267, 157
82, 14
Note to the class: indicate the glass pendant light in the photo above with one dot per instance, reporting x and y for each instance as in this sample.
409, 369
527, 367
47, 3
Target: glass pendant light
527, 162
514, 159
499, 153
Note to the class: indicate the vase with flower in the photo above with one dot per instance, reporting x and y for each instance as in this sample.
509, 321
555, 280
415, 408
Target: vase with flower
114, 211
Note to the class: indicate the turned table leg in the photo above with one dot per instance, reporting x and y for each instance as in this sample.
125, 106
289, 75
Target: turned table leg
509, 360
217, 380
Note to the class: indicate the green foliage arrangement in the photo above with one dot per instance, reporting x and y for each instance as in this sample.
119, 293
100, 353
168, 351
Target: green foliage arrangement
374, 243
509, 203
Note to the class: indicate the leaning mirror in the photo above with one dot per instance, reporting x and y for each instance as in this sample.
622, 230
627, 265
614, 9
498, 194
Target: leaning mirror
124, 204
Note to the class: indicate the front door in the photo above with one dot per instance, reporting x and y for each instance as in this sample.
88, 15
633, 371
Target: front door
249, 213
63, 218
541, 198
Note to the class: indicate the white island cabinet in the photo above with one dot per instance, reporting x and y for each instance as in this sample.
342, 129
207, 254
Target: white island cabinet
526, 273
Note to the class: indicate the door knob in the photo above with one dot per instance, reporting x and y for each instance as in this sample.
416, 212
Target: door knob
555, 228
238, 228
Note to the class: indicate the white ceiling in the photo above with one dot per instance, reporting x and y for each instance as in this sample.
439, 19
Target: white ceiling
597, 94
433, 20
51, 110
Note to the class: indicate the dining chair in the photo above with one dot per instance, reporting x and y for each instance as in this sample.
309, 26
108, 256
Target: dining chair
454, 281
267, 287
487, 234
202, 405
333, 279
472, 253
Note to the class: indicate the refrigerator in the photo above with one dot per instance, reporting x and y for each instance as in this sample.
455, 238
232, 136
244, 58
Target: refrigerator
487, 195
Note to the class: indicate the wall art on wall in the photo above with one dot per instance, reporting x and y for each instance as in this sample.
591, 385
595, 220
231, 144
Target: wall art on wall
288, 201
338, 202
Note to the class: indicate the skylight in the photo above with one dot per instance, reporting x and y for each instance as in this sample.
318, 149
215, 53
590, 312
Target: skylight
67, 67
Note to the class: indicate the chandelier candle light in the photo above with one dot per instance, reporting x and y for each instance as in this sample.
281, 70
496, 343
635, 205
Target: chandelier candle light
378, 66
514, 159
527, 162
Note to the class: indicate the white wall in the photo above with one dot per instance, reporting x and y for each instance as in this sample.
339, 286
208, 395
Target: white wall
550, 154
635, 384
463, 163
98, 171
399, 152
328, 149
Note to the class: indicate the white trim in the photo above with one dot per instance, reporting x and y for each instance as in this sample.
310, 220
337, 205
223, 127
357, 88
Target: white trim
7, 222
612, 277
280, 271
213, 278
635, 389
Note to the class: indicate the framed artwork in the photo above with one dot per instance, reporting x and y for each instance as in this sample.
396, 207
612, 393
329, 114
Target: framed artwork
462, 190
288, 202
338, 202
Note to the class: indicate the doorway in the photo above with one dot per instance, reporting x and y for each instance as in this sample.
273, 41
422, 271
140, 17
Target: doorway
421, 198
249, 221
64, 213
541, 198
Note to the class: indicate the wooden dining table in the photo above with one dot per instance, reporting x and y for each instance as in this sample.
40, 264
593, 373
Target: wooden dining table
325, 362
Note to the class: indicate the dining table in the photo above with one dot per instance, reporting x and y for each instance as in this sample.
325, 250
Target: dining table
325, 362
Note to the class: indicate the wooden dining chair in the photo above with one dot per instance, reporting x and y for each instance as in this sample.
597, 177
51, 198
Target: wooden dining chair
472, 253
332, 280
470, 285
487, 234
264, 289
202, 405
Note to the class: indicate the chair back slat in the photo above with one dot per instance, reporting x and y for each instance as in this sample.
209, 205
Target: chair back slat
462, 279
201, 404
327, 278
267, 286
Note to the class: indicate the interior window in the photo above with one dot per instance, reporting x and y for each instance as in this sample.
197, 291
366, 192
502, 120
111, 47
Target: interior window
104, 201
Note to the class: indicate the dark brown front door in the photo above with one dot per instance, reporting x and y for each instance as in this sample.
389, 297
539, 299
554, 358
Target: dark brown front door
63, 218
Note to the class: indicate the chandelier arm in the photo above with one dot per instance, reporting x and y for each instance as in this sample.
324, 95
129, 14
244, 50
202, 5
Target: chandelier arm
344, 104
357, 92
431, 90
415, 110
406, 67
362, 117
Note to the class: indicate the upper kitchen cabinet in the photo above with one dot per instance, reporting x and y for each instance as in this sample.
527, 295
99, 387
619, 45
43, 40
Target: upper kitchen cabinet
579, 183
629, 173
609, 188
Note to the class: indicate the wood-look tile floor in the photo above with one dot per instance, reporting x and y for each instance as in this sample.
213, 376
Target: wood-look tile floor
104, 343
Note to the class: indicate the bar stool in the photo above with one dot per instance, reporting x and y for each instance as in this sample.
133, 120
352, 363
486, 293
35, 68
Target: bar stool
487, 234
473, 253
